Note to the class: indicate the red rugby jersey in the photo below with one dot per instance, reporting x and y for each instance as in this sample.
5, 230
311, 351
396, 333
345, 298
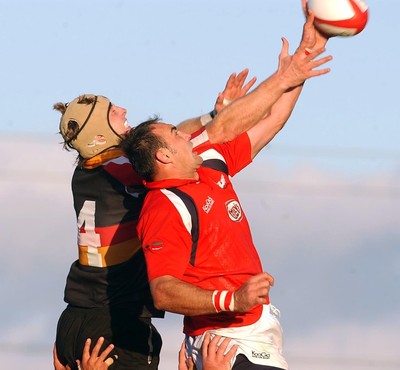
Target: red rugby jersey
224, 256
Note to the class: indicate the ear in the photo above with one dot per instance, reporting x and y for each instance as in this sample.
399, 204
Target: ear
163, 155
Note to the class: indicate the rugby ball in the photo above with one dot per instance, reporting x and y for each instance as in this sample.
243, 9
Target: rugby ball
339, 17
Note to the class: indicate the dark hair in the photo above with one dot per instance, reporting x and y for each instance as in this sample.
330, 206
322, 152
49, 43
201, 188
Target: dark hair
141, 145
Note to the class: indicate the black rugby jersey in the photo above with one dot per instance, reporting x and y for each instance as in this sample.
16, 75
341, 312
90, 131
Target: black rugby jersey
108, 196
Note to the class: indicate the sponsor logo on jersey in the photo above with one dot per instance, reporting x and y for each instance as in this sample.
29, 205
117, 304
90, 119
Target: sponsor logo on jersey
234, 210
222, 182
155, 246
209, 203
261, 355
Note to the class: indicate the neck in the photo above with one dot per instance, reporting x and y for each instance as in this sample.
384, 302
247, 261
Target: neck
171, 174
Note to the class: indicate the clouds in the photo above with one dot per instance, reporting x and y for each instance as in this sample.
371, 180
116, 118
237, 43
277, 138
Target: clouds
337, 210
347, 345
38, 237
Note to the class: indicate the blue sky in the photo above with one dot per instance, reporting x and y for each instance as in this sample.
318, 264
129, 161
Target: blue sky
172, 57
322, 199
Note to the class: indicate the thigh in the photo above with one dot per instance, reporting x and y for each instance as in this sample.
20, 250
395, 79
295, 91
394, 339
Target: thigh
242, 363
137, 342
68, 341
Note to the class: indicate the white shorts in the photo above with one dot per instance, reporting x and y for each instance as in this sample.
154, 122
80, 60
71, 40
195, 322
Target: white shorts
260, 342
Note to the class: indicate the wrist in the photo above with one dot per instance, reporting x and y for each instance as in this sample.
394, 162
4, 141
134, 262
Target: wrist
223, 300
283, 82
208, 117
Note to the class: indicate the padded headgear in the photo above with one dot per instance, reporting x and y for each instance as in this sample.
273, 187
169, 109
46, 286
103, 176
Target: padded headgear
90, 112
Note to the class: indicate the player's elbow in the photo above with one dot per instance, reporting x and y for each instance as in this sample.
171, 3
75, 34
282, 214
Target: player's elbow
159, 292
158, 299
159, 302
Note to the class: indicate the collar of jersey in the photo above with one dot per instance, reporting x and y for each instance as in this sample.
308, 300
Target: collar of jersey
101, 158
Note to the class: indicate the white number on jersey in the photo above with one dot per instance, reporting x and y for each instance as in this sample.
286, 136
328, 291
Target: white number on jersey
89, 238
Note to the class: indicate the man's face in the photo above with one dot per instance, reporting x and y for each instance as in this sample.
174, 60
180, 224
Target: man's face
180, 148
118, 121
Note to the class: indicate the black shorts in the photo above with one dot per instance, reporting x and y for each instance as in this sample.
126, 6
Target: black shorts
137, 342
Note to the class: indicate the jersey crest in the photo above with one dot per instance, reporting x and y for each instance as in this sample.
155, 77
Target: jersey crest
234, 210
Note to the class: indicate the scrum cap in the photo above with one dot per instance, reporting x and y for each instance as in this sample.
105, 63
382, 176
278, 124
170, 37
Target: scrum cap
95, 134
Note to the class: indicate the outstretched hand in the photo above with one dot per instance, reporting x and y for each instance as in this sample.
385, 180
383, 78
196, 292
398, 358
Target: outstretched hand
234, 89
312, 38
297, 68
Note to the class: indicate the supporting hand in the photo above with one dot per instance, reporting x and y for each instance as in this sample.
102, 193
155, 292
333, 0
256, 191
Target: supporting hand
94, 361
213, 352
184, 364
56, 362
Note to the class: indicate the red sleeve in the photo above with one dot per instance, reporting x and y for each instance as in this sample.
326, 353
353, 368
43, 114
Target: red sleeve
237, 153
165, 240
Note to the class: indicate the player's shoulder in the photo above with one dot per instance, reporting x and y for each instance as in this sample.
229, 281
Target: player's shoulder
155, 199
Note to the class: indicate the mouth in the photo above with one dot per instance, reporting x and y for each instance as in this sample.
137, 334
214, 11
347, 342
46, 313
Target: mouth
126, 125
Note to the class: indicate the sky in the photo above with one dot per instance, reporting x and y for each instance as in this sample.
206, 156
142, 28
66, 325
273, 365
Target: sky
322, 199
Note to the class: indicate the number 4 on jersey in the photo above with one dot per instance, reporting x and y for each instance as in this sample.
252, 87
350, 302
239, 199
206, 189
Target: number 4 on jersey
87, 235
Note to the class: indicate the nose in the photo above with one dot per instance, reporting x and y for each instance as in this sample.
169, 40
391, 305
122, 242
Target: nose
121, 111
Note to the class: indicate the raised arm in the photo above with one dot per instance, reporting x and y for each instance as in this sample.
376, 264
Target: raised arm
235, 88
174, 295
311, 40
265, 130
275, 96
